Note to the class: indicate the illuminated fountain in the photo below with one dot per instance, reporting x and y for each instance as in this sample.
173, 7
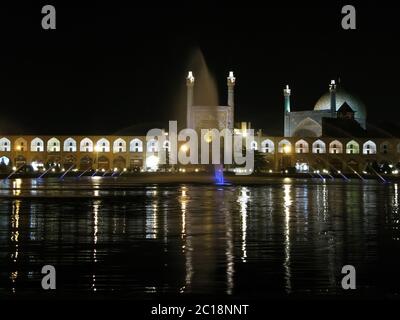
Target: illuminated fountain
203, 110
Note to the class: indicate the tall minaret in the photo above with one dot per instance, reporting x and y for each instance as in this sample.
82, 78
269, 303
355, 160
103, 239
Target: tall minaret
231, 96
332, 90
286, 94
189, 103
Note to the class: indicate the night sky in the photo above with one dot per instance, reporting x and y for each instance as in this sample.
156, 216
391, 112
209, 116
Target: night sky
110, 67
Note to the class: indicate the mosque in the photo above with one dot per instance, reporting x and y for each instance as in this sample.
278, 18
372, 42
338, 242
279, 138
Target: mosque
331, 138
335, 104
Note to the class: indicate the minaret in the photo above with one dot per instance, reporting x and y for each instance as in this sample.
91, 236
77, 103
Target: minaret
231, 96
332, 90
286, 94
189, 103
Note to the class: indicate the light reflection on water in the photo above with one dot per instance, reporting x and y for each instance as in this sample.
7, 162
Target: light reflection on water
285, 237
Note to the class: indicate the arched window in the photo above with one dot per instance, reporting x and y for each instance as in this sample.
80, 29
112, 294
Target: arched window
254, 145
20, 144
119, 145
53, 145
5, 144
352, 147
86, 145
284, 146
385, 147
267, 146
369, 147
103, 145
37, 145
335, 147
301, 146
319, 147
69, 145
136, 145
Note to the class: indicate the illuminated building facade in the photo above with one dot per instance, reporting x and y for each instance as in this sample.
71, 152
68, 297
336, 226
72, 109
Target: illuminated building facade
309, 152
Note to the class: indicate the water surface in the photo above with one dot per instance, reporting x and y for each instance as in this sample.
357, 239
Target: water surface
113, 237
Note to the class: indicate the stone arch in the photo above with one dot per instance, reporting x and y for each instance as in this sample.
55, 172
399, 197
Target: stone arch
352, 147
136, 145
335, 147
253, 145
284, 146
69, 145
385, 147
119, 145
308, 127
267, 146
37, 145
103, 145
85, 163
5, 144
53, 145
69, 160
369, 147
103, 163
119, 163
301, 146
86, 145
319, 147
21, 144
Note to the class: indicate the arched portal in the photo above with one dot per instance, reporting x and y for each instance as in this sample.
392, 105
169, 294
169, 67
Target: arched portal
119, 163
85, 163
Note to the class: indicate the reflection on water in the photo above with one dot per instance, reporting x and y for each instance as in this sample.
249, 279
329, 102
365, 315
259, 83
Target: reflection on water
107, 236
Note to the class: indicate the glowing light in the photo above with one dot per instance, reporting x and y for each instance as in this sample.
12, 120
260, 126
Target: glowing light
190, 76
339, 172
115, 169
231, 77
97, 149
103, 170
184, 148
53, 170
18, 148
395, 171
14, 168
287, 149
270, 171
152, 162
196, 170
125, 169
286, 171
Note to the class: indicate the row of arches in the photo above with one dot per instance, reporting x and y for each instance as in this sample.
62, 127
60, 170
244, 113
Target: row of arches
85, 145
319, 146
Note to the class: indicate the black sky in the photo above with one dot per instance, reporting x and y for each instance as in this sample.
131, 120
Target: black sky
113, 66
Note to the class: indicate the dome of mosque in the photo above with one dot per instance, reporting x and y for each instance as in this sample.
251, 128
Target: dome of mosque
342, 96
